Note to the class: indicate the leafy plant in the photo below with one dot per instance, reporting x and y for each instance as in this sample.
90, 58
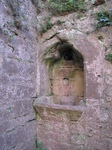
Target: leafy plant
46, 26
39, 146
109, 57
61, 6
79, 5
37, 4
59, 22
14, 5
43, 28
9, 109
104, 18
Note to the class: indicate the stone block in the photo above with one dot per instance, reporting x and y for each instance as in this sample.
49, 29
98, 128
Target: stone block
67, 100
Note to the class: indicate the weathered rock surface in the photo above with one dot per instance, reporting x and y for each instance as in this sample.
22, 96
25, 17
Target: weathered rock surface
92, 130
23, 76
17, 77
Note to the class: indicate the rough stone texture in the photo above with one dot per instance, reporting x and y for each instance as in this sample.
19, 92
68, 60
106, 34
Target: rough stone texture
57, 126
23, 76
67, 81
17, 78
92, 130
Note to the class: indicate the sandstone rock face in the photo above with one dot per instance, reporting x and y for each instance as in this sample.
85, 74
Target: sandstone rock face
23, 76
17, 77
92, 130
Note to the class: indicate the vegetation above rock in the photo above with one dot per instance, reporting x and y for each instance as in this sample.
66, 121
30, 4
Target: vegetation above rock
61, 6
109, 57
104, 18
47, 25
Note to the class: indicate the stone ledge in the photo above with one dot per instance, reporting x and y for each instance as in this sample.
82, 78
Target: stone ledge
56, 111
59, 107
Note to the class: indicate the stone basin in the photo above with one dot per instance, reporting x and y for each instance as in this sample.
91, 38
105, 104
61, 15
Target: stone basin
45, 107
55, 124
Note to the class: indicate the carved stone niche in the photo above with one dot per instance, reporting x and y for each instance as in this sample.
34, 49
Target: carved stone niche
66, 76
67, 83
64, 101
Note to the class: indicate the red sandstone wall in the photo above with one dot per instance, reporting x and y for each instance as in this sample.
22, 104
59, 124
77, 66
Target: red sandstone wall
17, 78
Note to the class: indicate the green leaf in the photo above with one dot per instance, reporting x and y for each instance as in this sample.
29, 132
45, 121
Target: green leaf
9, 109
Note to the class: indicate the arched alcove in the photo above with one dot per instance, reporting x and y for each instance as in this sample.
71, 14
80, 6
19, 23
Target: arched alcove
63, 103
65, 67
71, 76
